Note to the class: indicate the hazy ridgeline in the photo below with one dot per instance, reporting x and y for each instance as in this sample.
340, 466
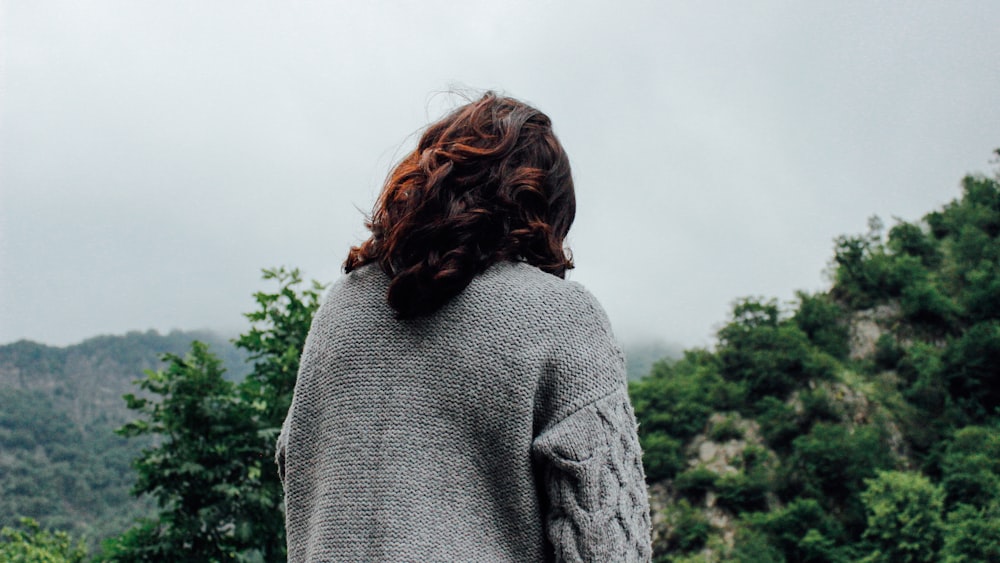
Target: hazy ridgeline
855, 424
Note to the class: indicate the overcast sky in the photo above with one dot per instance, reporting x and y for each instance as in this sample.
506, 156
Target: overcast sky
154, 156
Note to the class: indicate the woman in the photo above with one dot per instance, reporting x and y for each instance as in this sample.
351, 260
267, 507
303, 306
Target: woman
457, 399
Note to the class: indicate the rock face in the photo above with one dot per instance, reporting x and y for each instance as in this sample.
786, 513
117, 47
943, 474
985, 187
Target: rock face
867, 326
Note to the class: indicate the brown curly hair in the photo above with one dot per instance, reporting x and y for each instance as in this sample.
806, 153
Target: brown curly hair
489, 182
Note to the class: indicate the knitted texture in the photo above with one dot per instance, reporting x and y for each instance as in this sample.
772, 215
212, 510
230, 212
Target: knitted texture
496, 429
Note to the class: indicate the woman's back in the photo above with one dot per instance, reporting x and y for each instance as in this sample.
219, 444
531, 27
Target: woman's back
412, 441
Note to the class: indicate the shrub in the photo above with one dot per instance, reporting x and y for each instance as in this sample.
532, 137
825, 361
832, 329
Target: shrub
726, 429
822, 320
662, 456
30, 543
903, 512
690, 529
972, 364
801, 531
971, 467
695, 482
742, 492
768, 356
830, 464
778, 422
972, 534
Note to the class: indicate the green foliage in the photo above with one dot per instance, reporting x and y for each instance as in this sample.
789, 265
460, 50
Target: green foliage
768, 356
61, 462
689, 528
275, 341
910, 240
695, 482
972, 365
888, 352
753, 546
662, 455
29, 543
198, 473
971, 467
823, 322
831, 463
670, 407
212, 471
742, 492
863, 275
904, 518
778, 423
972, 534
801, 531
726, 429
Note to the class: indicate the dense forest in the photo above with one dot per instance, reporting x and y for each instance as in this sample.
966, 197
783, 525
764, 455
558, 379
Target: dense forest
857, 424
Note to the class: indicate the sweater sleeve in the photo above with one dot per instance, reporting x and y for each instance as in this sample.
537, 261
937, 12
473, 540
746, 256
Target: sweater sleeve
591, 467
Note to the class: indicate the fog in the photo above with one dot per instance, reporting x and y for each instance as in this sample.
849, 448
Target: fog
154, 156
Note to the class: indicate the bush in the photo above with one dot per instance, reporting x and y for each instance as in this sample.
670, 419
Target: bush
831, 463
971, 467
662, 456
29, 544
888, 352
689, 530
753, 546
903, 512
671, 406
817, 407
823, 322
768, 356
972, 534
909, 239
742, 492
778, 423
695, 482
726, 429
801, 531
972, 364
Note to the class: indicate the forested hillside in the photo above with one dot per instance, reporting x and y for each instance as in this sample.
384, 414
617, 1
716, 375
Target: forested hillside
60, 460
856, 424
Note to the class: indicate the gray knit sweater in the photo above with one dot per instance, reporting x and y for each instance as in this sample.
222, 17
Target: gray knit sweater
496, 429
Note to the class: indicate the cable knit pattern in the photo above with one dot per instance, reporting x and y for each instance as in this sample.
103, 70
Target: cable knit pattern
496, 429
592, 462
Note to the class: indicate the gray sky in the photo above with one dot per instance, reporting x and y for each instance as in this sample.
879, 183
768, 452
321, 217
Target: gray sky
154, 156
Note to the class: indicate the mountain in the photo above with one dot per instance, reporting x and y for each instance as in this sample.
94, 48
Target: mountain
60, 460
859, 424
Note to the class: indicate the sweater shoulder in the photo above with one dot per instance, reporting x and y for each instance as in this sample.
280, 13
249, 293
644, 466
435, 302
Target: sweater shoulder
523, 286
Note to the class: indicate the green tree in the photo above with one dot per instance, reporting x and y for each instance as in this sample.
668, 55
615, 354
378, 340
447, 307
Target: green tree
904, 517
831, 463
971, 467
972, 365
278, 332
212, 471
802, 530
28, 543
972, 534
767, 355
200, 471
